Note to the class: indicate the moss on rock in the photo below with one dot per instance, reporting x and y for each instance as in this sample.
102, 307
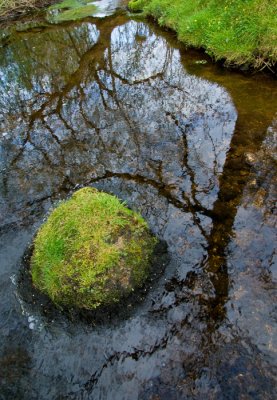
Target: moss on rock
91, 251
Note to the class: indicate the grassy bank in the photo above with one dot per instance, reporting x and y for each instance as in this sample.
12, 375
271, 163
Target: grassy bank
237, 31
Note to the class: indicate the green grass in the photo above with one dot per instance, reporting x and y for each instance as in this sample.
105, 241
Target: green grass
238, 31
91, 251
66, 4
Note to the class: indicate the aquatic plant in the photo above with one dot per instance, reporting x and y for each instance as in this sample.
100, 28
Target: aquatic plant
91, 251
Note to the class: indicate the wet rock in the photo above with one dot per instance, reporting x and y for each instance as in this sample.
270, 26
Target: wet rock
250, 158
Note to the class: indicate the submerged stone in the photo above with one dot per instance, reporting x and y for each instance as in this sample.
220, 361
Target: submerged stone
91, 251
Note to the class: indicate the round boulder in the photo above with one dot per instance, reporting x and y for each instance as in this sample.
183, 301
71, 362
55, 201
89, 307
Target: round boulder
91, 251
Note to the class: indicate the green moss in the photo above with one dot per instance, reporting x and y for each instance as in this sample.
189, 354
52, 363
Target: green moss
137, 5
91, 251
239, 31
70, 10
68, 4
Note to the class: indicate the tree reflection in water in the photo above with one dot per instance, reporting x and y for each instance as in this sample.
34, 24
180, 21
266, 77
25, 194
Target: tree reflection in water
109, 103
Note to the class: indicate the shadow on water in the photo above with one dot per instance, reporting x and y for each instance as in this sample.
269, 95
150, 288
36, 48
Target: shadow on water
120, 105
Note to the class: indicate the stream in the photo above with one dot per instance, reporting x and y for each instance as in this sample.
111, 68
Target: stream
118, 104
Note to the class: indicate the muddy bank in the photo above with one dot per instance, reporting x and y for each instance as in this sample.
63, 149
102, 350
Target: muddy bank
21, 10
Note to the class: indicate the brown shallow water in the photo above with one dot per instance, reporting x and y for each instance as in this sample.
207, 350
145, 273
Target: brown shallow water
117, 104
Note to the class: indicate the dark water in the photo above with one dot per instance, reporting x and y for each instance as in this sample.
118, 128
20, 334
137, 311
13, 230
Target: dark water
117, 104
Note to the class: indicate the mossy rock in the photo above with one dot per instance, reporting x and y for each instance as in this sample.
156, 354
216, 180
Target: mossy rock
91, 251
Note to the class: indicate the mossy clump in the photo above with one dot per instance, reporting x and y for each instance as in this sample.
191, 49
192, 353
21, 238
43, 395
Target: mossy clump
91, 251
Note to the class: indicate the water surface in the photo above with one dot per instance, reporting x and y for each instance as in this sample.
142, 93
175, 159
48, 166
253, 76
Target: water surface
115, 103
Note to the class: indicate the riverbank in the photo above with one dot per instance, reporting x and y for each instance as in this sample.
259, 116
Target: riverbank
237, 32
10, 9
